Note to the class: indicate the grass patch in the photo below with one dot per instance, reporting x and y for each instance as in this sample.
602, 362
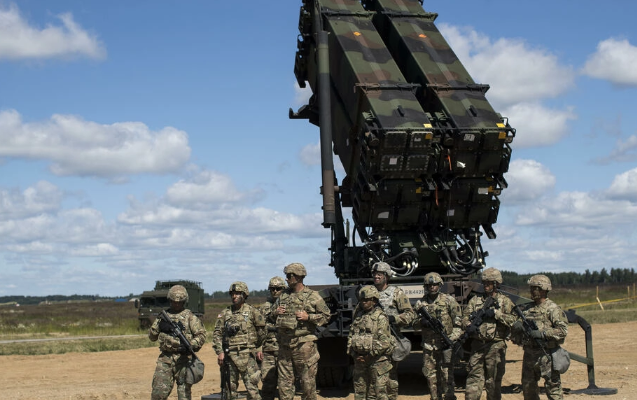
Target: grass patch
70, 320
106, 318
75, 346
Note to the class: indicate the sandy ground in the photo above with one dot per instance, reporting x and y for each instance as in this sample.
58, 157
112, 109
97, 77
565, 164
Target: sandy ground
128, 374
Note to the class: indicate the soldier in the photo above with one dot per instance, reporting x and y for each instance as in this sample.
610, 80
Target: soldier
296, 314
398, 309
488, 345
270, 346
437, 357
174, 358
239, 330
538, 344
370, 344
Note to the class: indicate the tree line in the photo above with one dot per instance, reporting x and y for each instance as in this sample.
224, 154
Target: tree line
603, 277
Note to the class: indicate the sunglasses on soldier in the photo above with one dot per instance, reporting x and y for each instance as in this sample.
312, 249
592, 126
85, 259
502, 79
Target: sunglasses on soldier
276, 288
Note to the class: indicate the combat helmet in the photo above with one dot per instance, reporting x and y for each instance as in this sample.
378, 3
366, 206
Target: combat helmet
277, 281
178, 293
492, 275
383, 267
368, 292
541, 281
432, 278
239, 287
295, 268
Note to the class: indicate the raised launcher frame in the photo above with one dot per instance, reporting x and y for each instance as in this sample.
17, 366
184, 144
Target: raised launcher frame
423, 151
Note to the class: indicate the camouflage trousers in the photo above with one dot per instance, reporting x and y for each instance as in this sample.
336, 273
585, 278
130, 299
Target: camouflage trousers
536, 365
243, 365
269, 375
392, 381
301, 361
437, 367
170, 369
371, 380
486, 369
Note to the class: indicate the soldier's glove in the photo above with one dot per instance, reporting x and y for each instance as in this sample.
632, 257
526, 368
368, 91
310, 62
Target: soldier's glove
537, 334
472, 329
489, 313
392, 319
424, 322
517, 327
165, 327
182, 349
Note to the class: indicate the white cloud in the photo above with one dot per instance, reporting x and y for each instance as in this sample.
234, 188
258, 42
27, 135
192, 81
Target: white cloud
301, 95
528, 181
515, 71
613, 61
19, 40
624, 186
98, 250
41, 198
78, 147
589, 213
624, 151
537, 125
311, 154
208, 189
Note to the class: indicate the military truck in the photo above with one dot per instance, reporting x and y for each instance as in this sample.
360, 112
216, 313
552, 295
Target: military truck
423, 151
151, 302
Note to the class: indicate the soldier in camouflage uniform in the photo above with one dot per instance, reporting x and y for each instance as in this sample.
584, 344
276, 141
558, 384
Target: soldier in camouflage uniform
396, 305
488, 345
552, 327
243, 327
438, 361
370, 344
269, 374
296, 314
174, 358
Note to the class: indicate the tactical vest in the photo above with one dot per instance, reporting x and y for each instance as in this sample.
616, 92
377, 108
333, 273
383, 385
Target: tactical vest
287, 322
540, 314
183, 317
270, 343
362, 332
240, 321
386, 301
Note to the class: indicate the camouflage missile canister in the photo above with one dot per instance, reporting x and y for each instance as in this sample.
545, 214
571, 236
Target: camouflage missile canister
423, 150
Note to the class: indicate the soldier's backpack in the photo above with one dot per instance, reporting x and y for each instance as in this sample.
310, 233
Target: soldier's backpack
402, 346
194, 371
561, 360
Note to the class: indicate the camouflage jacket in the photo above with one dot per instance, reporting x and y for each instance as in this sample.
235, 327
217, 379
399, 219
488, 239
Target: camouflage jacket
289, 329
492, 329
270, 343
243, 328
549, 319
369, 335
446, 309
395, 302
194, 331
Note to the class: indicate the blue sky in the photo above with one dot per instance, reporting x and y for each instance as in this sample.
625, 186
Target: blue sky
151, 140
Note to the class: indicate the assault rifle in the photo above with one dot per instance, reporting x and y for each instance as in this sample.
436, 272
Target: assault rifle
476, 318
529, 325
226, 386
177, 331
436, 325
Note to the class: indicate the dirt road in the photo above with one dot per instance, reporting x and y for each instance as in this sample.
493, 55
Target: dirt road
120, 375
